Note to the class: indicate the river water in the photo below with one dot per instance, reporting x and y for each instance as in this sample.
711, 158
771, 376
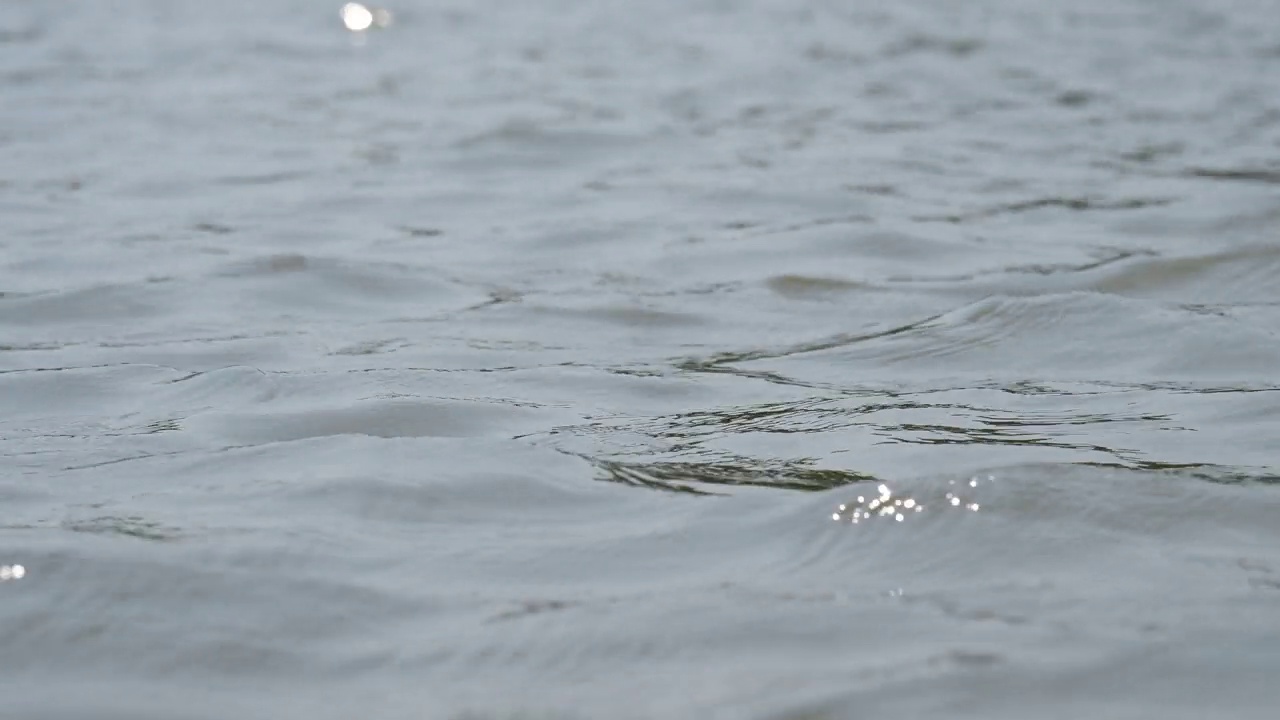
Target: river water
769, 359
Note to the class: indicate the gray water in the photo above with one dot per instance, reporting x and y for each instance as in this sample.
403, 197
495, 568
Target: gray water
768, 359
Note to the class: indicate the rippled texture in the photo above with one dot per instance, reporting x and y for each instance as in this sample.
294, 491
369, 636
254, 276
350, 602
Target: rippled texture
535, 359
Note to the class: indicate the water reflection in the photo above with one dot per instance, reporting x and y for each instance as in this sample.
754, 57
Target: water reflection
685, 477
358, 18
816, 426
888, 505
12, 572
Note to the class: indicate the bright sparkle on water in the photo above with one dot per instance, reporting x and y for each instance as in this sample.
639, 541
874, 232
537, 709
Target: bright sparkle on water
356, 17
12, 572
886, 505
359, 18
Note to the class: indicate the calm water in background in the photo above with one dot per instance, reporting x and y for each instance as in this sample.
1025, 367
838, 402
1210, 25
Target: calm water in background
535, 359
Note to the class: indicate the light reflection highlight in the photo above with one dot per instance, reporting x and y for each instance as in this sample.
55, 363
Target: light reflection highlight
886, 505
358, 18
12, 572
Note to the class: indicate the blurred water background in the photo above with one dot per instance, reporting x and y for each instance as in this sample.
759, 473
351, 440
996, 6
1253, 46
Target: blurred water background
776, 359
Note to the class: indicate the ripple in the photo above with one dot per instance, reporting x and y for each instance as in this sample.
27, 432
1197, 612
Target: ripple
131, 526
1052, 336
1238, 275
1266, 176
101, 304
1080, 204
687, 477
290, 282
380, 418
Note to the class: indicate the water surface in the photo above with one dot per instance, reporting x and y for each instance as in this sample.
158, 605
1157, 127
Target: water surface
767, 359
